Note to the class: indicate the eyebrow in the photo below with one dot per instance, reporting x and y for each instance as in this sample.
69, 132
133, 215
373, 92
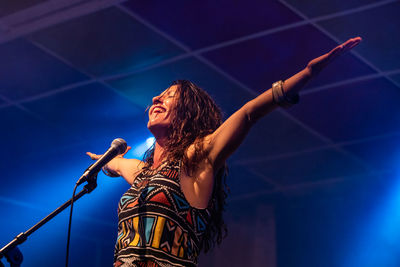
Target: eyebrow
168, 93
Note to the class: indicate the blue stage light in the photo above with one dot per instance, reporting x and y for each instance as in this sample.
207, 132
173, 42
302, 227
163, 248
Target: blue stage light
377, 243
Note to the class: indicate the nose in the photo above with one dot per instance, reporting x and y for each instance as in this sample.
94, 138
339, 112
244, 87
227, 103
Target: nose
156, 99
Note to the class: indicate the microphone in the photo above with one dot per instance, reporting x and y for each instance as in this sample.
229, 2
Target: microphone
118, 146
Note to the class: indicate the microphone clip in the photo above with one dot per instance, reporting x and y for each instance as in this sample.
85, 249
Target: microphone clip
90, 179
91, 183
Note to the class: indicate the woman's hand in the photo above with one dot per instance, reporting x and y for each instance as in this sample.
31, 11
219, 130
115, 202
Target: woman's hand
316, 65
96, 157
112, 168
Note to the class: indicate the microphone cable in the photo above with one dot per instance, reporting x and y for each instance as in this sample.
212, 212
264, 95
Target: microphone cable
118, 146
69, 225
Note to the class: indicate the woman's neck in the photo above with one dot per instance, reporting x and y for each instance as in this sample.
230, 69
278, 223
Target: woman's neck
158, 156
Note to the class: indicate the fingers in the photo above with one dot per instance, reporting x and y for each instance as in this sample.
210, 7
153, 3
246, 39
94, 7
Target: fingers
317, 64
93, 156
332, 54
351, 43
337, 50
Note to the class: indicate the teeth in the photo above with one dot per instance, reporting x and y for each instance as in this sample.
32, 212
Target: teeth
158, 110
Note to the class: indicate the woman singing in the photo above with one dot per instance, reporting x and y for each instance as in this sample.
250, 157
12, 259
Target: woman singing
173, 209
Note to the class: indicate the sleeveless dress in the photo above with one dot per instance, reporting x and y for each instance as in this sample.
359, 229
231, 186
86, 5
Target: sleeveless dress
157, 226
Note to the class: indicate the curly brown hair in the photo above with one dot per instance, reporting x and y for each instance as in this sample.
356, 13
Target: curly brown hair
195, 116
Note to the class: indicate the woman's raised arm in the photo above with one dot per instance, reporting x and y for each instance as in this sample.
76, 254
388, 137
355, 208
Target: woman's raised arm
227, 138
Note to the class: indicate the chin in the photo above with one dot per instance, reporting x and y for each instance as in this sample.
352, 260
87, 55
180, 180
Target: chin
157, 129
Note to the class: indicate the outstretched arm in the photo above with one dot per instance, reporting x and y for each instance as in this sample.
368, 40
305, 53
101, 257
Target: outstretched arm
120, 166
227, 138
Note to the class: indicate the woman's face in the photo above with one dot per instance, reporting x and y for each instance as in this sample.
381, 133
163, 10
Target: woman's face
160, 112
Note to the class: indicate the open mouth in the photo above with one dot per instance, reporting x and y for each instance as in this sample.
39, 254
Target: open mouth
158, 110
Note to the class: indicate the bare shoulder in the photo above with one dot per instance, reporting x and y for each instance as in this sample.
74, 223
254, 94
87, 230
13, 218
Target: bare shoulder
201, 143
130, 168
138, 164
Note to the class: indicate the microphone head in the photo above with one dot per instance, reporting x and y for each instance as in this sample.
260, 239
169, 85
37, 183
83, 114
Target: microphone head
120, 145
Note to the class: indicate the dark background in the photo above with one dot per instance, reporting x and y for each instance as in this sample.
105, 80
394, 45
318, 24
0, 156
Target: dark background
315, 185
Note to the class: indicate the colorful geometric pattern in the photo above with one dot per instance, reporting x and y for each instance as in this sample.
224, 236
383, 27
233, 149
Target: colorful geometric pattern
157, 223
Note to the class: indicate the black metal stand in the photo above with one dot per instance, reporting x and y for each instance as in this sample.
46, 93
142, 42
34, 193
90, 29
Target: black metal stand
11, 251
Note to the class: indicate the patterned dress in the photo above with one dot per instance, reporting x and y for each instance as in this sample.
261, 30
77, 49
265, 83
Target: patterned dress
157, 226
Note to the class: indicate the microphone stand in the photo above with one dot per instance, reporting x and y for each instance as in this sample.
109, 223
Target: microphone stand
11, 251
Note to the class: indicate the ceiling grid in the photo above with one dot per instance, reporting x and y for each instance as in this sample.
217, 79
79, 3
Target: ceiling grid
19, 25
